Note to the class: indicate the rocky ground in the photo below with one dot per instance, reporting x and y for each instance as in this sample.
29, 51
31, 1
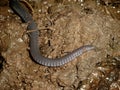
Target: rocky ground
64, 25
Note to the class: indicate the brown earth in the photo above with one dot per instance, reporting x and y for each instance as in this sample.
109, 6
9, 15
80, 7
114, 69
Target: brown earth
64, 25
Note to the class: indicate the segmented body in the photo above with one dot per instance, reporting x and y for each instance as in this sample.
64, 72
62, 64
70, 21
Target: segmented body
34, 46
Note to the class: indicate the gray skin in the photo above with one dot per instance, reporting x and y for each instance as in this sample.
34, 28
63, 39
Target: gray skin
34, 47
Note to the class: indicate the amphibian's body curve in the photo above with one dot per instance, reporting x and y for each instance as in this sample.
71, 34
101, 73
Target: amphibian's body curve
34, 47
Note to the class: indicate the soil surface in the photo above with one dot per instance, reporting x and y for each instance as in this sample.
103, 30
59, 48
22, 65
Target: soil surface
64, 25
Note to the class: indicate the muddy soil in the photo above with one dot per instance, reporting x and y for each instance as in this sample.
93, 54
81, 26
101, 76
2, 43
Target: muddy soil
64, 25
